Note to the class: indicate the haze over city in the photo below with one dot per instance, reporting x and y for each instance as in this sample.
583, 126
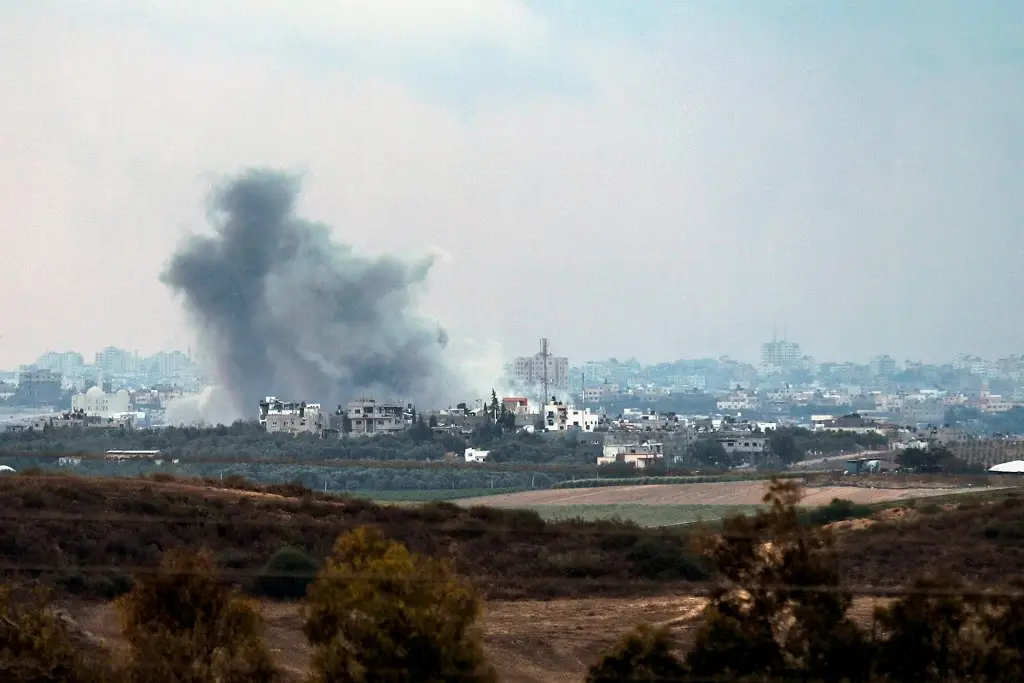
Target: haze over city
661, 180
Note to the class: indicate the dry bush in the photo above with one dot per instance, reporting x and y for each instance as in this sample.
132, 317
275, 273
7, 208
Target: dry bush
185, 626
645, 654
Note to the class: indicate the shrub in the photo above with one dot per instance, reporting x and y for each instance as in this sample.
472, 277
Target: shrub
185, 626
664, 558
286, 575
642, 655
38, 645
378, 612
838, 510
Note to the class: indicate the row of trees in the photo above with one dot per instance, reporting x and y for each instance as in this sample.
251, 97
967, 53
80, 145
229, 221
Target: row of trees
249, 441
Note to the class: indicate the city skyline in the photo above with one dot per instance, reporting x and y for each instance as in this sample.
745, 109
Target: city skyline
696, 173
574, 361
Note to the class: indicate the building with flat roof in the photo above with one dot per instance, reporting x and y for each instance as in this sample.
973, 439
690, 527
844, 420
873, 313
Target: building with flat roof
366, 416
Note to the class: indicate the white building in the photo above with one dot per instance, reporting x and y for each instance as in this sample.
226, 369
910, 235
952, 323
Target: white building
95, 402
476, 455
559, 417
367, 416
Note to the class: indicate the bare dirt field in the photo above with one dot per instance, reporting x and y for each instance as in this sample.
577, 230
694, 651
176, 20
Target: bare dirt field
527, 641
718, 493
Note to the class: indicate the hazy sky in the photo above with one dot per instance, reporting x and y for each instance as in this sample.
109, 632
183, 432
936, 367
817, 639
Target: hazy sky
635, 178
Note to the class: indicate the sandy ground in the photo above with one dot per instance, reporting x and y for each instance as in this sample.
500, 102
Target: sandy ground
719, 493
527, 641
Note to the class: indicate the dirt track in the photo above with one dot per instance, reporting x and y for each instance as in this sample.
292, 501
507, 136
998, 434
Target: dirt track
527, 641
720, 493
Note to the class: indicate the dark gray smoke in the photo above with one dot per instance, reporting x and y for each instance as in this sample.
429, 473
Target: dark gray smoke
284, 310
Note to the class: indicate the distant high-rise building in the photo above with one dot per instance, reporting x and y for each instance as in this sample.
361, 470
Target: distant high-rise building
66, 363
38, 386
166, 363
530, 370
780, 356
115, 361
883, 366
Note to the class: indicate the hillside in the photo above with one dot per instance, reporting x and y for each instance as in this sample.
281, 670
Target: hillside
983, 541
88, 534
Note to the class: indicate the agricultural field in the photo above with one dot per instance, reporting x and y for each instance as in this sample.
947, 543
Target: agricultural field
426, 496
642, 514
669, 504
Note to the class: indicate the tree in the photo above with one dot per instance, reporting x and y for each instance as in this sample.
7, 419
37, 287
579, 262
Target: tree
780, 610
287, 575
931, 634
37, 645
931, 459
645, 654
493, 410
783, 445
378, 612
185, 626
709, 453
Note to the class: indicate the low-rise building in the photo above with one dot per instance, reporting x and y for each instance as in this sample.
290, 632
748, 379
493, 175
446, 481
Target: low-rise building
640, 455
98, 403
559, 417
476, 455
292, 417
755, 446
516, 405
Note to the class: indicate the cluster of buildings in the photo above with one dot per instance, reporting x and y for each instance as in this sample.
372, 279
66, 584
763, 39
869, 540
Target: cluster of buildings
363, 417
56, 375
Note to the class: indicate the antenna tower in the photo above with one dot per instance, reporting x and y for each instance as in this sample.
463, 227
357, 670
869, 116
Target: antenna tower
544, 361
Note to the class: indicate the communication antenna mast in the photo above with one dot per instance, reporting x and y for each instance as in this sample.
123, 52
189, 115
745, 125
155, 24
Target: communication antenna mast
544, 372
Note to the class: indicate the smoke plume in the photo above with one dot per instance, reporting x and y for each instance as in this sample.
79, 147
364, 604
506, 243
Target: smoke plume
284, 310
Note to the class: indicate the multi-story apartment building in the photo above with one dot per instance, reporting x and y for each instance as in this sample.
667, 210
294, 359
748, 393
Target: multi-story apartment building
882, 366
115, 361
529, 371
780, 356
66, 363
366, 416
38, 386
